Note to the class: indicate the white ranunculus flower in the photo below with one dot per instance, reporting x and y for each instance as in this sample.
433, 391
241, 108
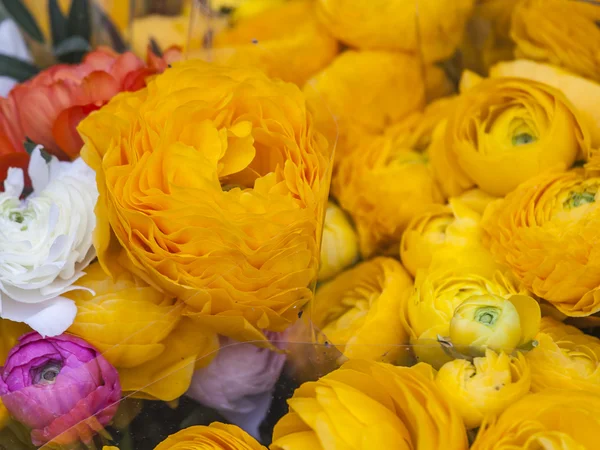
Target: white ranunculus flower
45, 241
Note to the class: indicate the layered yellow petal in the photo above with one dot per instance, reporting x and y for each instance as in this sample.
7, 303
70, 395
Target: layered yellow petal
267, 38
583, 93
361, 107
141, 332
554, 420
452, 230
383, 186
565, 358
366, 405
560, 32
357, 311
428, 28
484, 387
216, 436
212, 187
546, 231
505, 131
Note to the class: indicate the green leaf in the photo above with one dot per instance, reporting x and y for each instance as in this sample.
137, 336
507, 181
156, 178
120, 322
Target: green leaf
117, 42
16, 68
79, 22
19, 12
58, 22
30, 147
73, 44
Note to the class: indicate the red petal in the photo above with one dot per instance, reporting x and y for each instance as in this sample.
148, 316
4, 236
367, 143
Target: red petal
65, 132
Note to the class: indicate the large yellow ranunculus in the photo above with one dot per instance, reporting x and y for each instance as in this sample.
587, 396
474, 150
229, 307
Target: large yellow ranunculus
361, 89
476, 199
366, 405
546, 231
551, 420
267, 40
583, 93
383, 186
565, 358
494, 322
452, 229
141, 332
505, 131
436, 295
562, 32
212, 183
339, 244
484, 387
358, 311
428, 28
216, 436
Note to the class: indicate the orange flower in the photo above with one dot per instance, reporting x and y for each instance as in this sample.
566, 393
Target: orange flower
212, 186
47, 108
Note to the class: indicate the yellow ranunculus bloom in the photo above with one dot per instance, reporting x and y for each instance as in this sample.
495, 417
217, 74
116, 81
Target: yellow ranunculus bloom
491, 321
339, 244
562, 32
383, 186
583, 93
546, 231
485, 387
551, 420
267, 39
216, 436
212, 186
451, 229
436, 295
565, 358
137, 329
358, 310
426, 27
371, 107
505, 131
366, 405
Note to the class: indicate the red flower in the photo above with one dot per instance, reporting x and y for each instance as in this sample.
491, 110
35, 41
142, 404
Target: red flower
48, 108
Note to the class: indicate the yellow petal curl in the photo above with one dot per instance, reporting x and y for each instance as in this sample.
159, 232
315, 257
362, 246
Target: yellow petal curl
484, 387
366, 405
358, 310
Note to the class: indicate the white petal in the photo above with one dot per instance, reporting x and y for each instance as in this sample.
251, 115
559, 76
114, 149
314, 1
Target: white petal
14, 183
250, 421
49, 318
38, 170
6, 84
13, 43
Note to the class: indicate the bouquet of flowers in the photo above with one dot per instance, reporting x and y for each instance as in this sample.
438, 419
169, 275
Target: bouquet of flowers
302, 224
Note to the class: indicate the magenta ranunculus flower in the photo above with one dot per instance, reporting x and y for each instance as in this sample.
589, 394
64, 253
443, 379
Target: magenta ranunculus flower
61, 387
239, 382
